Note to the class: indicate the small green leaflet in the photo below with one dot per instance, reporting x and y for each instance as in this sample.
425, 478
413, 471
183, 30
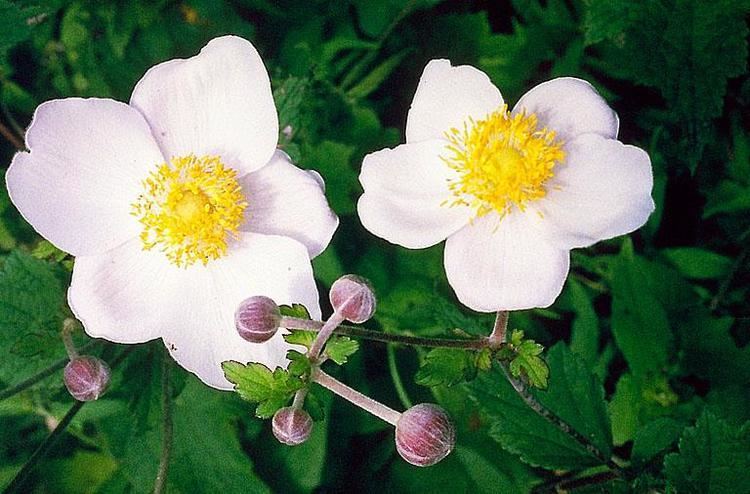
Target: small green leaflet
295, 310
527, 364
449, 366
257, 384
338, 348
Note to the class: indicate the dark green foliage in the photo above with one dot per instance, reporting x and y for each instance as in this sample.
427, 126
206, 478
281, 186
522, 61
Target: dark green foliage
649, 344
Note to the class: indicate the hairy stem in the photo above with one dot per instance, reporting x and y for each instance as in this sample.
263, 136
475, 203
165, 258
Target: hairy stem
325, 332
355, 397
534, 404
400, 339
167, 426
69, 326
499, 331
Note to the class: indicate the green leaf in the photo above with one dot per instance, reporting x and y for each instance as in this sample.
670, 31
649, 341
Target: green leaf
697, 263
728, 197
340, 348
584, 336
446, 367
256, 383
574, 394
714, 458
300, 337
639, 322
527, 364
13, 25
32, 299
653, 438
333, 161
299, 364
378, 75
295, 310
688, 49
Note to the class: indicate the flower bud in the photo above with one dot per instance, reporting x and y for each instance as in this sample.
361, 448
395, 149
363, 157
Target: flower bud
424, 435
353, 298
291, 426
86, 378
257, 319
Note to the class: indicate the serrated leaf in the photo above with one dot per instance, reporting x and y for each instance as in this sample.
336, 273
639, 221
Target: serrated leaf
655, 437
446, 367
574, 394
714, 458
340, 348
300, 337
256, 383
32, 299
528, 365
299, 364
295, 310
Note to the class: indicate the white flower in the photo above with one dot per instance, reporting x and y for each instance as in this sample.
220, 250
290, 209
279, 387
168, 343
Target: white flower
177, 207
512, 192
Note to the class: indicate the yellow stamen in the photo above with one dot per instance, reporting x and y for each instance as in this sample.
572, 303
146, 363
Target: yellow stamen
189, 209
503, 162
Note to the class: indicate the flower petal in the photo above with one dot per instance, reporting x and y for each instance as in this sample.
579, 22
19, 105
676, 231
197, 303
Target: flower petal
216, 103
130, 296
285, 200
602, 190
504, 266
87, 159
406, 191
570, 107
446, 97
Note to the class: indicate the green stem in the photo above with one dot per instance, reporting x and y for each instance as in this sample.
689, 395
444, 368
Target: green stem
41, 375
544, 412
167, 425
356, 71
400, 339
43, 448
53, 437
396, 378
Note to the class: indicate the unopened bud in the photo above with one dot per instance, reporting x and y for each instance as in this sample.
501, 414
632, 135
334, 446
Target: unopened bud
86, 378
353, 298
291, 426
424, 435
257, 319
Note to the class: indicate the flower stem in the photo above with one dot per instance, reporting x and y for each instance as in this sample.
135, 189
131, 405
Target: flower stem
69, 326
53, 437
167, 427
43, 448
497, 337
400, 339
536, 406
11, 137
355, 397
396, 378
41, 375
325, 332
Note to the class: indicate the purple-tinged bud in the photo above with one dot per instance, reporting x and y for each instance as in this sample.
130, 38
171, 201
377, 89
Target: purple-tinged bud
291, 426
257, 319
424, 435
86, 377
353, 298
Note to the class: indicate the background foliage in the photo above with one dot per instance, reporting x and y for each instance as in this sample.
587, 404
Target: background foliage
649, 354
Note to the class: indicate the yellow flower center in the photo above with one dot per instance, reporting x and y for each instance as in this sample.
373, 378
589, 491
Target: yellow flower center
502, 162
190, 207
